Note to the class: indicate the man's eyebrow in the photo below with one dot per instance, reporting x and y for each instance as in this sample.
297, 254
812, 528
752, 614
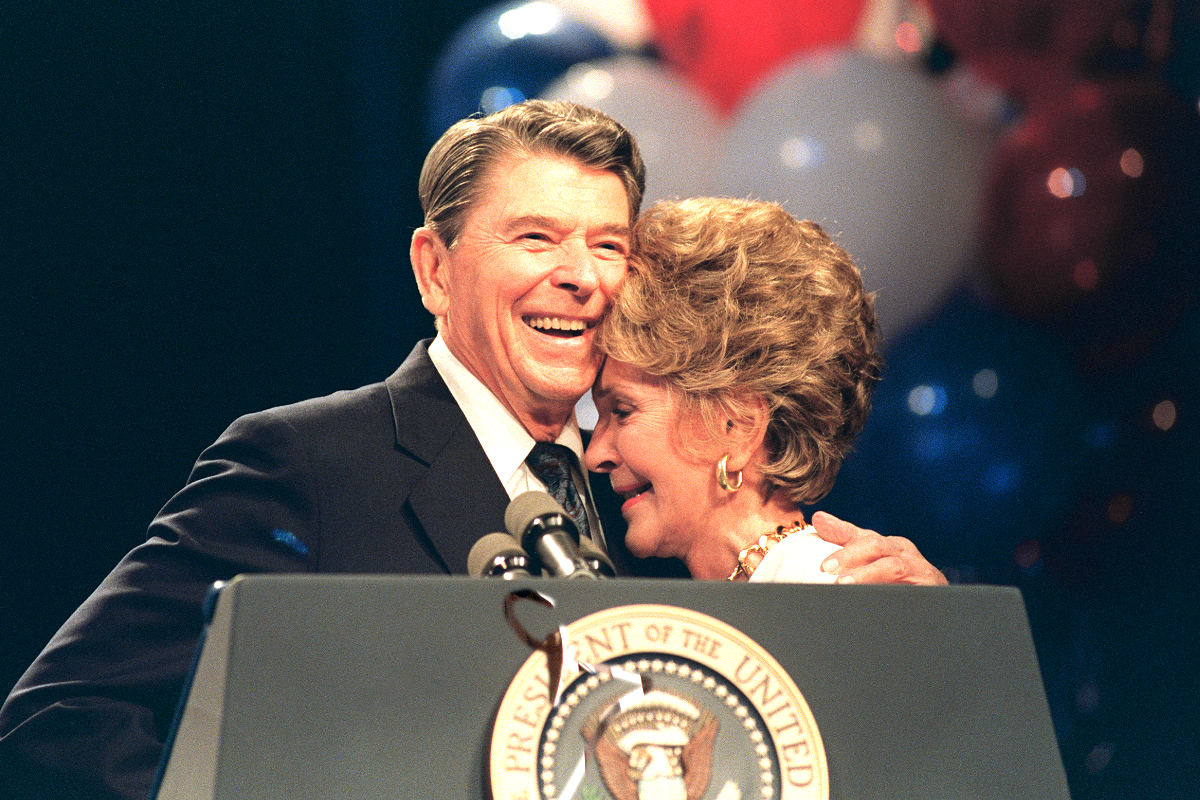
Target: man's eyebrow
615, 228
554, 223
534, 221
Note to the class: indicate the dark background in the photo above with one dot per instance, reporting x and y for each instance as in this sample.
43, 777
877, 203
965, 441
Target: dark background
206, 211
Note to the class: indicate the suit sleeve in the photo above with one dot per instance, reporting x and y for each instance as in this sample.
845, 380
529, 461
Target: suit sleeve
90, 716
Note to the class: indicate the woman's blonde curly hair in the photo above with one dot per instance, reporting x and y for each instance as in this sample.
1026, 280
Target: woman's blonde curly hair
735, 303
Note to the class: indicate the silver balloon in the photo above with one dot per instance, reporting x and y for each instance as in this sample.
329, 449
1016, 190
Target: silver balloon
675, 127
872, 151
624, 22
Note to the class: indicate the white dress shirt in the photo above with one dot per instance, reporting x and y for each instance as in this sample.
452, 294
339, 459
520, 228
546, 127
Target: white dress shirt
505, 441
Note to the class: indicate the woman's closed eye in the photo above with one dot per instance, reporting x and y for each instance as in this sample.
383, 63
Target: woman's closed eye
621, 412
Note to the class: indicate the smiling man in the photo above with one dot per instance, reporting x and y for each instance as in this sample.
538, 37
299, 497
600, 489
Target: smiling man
528, 214
527, 220
530, 274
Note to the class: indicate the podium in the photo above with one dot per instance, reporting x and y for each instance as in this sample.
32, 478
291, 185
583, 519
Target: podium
392, 686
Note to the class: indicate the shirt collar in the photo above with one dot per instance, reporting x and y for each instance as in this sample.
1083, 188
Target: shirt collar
505, 441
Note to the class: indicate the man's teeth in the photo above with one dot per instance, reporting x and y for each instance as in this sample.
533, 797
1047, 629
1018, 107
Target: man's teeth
556, 324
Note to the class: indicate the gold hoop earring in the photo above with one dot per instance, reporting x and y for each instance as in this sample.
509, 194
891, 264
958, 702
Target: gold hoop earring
723, 476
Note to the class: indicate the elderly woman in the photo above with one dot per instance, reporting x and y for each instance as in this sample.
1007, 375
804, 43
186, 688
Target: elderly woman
741, 355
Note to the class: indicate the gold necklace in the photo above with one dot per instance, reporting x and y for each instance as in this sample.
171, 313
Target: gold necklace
760, 546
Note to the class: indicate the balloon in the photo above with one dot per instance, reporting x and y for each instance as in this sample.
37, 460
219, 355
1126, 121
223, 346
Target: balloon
675, 126
506, 54
1143, 476
869, 150
1091, 216
976, 440
625, 23
1028, 46
727, 48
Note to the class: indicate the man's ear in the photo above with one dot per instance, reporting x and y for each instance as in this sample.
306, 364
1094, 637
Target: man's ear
430, 263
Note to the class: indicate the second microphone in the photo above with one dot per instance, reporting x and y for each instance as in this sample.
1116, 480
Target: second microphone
538, 522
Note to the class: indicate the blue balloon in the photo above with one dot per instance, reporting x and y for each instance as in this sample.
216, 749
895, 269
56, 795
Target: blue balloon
504, 55
978, 440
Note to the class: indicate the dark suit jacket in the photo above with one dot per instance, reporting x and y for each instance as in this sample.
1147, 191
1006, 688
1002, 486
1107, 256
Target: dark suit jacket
388, 478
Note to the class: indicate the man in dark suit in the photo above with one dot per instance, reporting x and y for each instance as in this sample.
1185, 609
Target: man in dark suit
527, 220
528, 214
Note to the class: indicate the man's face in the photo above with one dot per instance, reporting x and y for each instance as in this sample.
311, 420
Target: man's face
529, 278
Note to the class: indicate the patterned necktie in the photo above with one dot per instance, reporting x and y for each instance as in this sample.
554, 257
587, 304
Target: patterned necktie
552, 464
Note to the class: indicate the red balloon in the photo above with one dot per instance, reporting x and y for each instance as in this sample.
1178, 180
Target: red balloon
727, 48
1026, 45
1089, 201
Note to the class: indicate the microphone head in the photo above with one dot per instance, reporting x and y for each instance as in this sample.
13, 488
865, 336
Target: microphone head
497, 554
525, 509
596, 558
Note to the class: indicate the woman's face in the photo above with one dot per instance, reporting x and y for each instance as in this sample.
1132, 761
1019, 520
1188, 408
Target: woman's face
668, 494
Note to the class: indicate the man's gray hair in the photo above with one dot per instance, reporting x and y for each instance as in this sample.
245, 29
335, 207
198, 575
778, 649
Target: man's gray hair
455, 169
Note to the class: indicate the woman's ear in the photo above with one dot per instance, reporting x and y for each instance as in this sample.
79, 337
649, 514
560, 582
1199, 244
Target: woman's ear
430, 263
745, 431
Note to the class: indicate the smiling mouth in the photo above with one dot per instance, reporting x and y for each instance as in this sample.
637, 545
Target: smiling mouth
559, 327
629, 494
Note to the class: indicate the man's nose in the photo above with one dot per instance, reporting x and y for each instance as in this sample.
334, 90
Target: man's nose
576, 271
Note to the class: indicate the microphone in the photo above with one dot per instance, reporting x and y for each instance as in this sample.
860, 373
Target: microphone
497, 555
596, 558
538, 522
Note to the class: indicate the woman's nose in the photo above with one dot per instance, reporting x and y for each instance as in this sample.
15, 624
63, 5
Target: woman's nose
600, 456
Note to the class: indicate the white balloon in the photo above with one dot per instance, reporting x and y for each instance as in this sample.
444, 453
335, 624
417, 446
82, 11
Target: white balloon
676, 129
625, 23
871, 151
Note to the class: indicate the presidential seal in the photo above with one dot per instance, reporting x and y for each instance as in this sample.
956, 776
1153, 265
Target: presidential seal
654, 701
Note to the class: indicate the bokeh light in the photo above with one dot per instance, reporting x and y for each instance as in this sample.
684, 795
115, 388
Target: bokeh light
1164, 415
597, 84
925, 401
1099, 757
1132, 163
1101, 434
1028, 554
868, 136
1086, 275
1120, 508
1087, 697
530, 19
1066, 182
1002, 478
985, 383
909, 38
495, 98
798, 152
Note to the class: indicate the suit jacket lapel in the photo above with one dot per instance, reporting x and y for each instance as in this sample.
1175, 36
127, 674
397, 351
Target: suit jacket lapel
459, 498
